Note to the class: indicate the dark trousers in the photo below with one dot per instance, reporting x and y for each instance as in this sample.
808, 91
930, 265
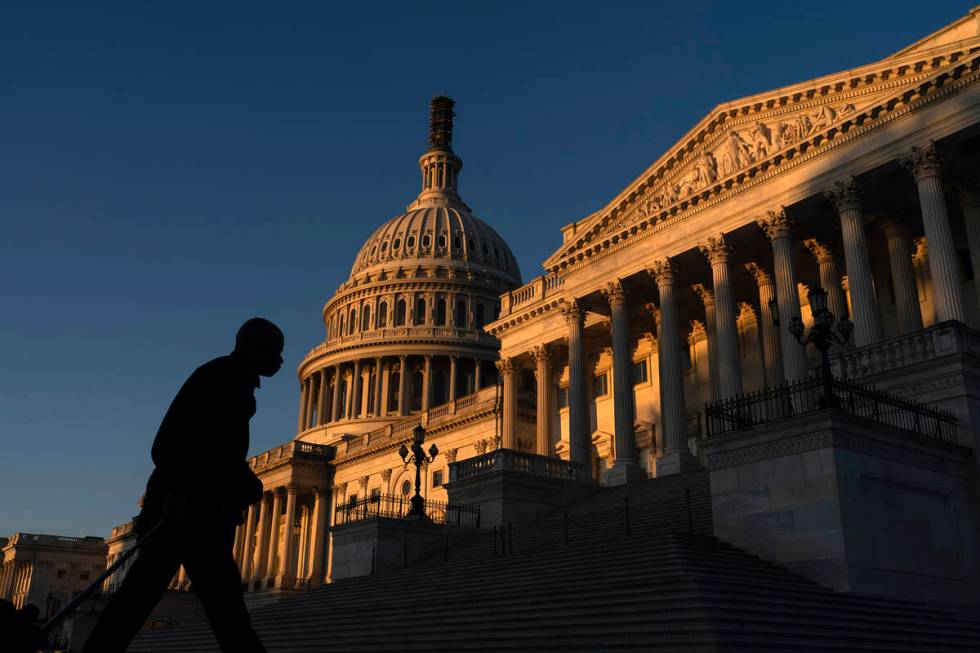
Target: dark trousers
205, 551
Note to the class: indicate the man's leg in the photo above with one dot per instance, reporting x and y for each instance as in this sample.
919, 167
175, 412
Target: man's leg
141, 589
218, 582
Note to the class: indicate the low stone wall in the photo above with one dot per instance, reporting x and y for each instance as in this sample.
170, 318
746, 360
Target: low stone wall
377, 544
851, 504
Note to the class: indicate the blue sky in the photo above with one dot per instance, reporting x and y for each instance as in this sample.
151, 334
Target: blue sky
168, 170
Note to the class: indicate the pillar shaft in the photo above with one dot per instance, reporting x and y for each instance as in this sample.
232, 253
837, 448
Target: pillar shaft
542, 365
625, 468
335, 403
776, 226
321, 401
771, 352
708, 299
377, 386
452, 377
477, 374
970, 204
355, 391
273, 546
579, 440
302, 407
321, 509
924, 163
427, 383
845, 196
907, 309
245, 559
726, 327
258, 559
402, 385
287, 558
509, 426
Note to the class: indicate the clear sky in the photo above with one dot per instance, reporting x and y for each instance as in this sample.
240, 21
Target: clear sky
168, 170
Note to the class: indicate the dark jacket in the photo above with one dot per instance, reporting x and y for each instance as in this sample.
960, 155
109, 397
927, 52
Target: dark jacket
201, 447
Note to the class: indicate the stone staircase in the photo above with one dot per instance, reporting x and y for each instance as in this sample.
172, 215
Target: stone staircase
647, 577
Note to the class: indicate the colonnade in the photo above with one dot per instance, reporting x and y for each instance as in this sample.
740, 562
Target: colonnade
783, 358
386, 385
267, 548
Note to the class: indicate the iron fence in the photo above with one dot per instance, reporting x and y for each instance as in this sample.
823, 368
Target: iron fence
392, 507
810, 395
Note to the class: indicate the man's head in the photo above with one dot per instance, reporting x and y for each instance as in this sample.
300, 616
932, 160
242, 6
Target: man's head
259, 343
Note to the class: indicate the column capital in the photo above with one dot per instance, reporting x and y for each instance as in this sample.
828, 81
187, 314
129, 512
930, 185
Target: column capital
654, 311
716, 249
321, 490
844, 194
451, 455
762, 278
707, 297
614, 293
775, 223
921, 252
572, 311
291, 488
819, 250
339, 488
386, 475
363, 482
662, 272
922, 161
541, 354
697, 331
506, 366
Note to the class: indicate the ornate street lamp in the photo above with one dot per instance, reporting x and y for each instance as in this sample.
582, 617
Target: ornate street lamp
419, 457
823, 337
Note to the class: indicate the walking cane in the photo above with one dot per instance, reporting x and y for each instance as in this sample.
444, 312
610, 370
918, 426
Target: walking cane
77, 601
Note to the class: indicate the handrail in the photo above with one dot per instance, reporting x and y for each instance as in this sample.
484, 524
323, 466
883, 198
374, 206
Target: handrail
394, 507
809, 396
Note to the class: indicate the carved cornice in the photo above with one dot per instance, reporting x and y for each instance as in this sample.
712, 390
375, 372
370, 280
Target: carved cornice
540, 354
775, 223
506, 366
572, 311
662, 272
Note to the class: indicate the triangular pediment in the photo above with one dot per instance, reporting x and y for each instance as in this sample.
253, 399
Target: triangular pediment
740, 138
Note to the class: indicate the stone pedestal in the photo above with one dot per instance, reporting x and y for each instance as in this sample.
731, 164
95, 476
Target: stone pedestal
379, 543
675, 462
853, 505
510, 487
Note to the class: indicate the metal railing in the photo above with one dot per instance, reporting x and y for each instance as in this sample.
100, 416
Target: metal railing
392, 507
516, 461
809, 396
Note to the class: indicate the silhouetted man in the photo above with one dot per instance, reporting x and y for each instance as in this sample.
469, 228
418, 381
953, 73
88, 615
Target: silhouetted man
200, 485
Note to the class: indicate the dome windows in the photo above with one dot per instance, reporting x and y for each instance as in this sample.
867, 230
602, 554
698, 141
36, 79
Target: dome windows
397, 243
384, 246
470, 244
442, 240
410, 242
456, 243
426, 241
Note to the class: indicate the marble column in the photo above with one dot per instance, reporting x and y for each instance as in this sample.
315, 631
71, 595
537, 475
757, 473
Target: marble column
726, 312
907, 310
708, 299
830, 278
625, 468
579, 438
542, 366
181, 578
355, 391
377, 386
924, 164
402, 384
477, 374
287, 558
261, 547
427, 383
321, 401
509, 426
302, 407
273, 547
676, 457
335, 403
321, 510
776, 227
236, 547
771, 353
310, 401
452, 377
846, 197
247, 554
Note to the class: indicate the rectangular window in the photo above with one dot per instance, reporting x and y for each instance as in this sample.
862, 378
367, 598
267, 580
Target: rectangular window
600, 385
437, 478
562, 397
375, 493
640, 372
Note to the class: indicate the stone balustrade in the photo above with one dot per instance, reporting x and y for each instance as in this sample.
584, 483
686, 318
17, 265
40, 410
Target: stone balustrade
911, 349
535, 290
292, 450
524, 463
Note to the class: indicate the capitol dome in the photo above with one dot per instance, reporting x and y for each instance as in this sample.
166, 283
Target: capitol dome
405, 332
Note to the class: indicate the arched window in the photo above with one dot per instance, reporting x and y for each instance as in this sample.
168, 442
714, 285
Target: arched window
480, 317
394, 383
441, 311
352, 323
461, 313
419, 317
382, 315
400, 313
366, 319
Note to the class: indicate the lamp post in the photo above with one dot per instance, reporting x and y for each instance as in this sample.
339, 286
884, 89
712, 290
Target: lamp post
822, 335
419, 457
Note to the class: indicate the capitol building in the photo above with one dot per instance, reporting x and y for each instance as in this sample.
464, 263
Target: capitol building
662, 339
